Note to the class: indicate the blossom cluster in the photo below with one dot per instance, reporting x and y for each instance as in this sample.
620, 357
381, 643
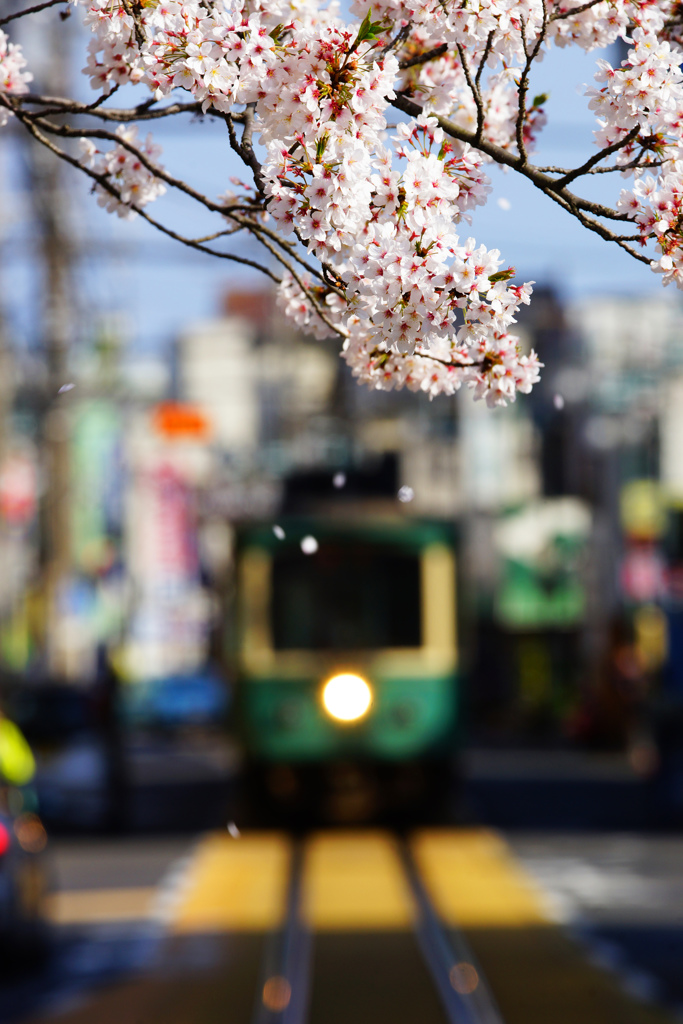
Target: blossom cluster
221, 53
380, 218
605, 22
133, 184
13, 79
643, 100
482, 25
382, 221
380, 214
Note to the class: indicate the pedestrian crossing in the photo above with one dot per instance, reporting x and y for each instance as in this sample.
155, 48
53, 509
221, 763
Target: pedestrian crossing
359, 909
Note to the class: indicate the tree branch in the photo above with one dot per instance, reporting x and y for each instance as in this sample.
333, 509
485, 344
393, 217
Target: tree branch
59, 105
31, 10
574, 205
597, 157
524, 82
103, 181
473, 89
399, 38
561, 15
244, 149
423, 58
258, 230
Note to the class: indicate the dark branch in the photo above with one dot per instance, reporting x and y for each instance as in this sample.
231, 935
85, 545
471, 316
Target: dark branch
597, 157
59, 105
398, 39
31, 10
423, 58
244, 148
574, 205
524, 82
561, 15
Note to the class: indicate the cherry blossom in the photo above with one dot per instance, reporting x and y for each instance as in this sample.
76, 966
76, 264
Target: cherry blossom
134, 185
367, 142
13, 79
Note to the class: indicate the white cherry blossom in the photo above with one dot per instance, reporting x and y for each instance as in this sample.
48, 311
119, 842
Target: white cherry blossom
368, 139
13, 79
134, 185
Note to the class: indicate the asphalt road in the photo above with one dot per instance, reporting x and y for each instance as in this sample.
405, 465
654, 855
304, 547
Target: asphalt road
132, 941
622, 897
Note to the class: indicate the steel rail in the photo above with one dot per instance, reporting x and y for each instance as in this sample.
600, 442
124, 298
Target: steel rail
445, 950
287, 959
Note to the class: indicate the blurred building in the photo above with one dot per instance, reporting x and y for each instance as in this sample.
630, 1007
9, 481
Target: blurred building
165, 456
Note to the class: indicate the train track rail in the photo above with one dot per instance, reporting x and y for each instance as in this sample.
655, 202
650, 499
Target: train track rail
288, 969
283, 995
460, 982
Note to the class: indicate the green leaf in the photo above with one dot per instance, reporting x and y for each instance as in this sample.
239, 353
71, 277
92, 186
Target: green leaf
540, 99
368, 29
502, 275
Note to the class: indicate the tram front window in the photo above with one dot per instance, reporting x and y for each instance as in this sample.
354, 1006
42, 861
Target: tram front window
345, 597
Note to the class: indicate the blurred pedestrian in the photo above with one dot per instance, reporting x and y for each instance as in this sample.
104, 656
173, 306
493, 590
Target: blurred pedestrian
112, 736
17, 768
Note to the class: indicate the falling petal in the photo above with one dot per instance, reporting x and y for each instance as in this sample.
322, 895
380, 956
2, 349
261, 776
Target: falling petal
504, 203
279, 532
406, 494
558, 401
65, 387
339, 480
233, 830
309, 545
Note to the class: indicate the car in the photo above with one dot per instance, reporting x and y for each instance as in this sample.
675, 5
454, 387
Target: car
23, 885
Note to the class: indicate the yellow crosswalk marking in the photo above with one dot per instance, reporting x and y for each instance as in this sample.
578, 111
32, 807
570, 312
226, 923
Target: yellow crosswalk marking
354, 881
474, 880
235, 884
93, 906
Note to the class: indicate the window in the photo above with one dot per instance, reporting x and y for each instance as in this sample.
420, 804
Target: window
347, 596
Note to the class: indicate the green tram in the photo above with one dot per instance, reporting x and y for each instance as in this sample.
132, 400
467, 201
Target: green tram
346, 661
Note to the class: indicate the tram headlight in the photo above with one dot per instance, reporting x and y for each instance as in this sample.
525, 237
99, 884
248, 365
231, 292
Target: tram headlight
347, 697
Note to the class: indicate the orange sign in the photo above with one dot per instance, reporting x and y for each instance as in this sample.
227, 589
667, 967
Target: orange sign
176, 420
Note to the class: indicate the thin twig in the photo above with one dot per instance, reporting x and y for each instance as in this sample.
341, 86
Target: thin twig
244, 148
561, 15
484, 58
597, 157
100, 99
423, 58
476, 96
523, 86
341, 331
103, 181
219, 234
31, 10
215, 207
399, 38
59, 105
477, 85
574, 205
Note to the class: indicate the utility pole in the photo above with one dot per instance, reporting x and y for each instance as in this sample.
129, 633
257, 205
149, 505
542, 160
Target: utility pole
49, 198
